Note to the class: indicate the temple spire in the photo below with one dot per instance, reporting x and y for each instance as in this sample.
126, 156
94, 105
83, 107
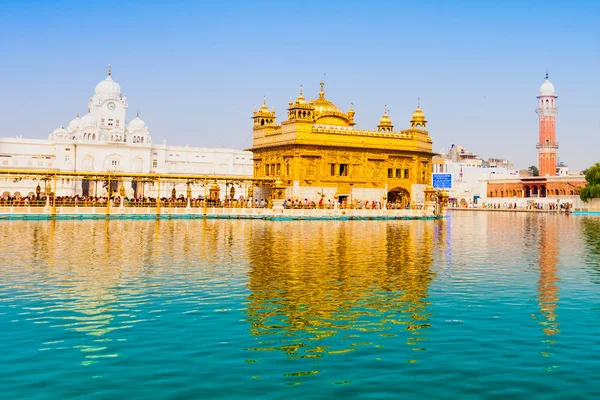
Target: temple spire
109, 70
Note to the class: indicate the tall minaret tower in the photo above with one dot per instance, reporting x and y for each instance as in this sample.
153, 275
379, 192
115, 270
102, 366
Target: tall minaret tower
547, 145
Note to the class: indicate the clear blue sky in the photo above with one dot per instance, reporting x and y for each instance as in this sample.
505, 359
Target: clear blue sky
195, 71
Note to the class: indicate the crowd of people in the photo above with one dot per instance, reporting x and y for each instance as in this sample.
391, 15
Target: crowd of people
181, 201
548, 206
330, 204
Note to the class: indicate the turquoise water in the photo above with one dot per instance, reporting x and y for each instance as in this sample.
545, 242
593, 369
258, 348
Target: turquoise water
481, 305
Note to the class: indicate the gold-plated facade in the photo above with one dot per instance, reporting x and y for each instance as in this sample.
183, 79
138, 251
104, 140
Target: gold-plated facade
318, 151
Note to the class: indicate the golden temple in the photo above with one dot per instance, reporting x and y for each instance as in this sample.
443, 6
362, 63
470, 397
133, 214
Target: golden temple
318, 152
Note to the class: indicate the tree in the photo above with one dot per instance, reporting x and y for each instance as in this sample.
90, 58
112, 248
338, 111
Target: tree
534, 170
592, 189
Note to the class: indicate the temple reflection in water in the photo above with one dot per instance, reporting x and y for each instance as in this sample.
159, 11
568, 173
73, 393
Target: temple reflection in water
301, 289
316, 289
548, 282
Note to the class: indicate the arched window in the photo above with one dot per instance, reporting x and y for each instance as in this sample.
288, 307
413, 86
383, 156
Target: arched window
88, 163
137, 165
262, 122
547, 103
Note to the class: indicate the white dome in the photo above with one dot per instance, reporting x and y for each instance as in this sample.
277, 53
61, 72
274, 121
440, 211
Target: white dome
547, 88
137, 125
108, 88
87, 120
60, 133
74, 125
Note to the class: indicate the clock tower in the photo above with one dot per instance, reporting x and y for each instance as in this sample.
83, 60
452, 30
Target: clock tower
109, 109
547, 144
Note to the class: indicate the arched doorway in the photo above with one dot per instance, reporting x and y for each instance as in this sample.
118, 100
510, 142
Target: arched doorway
534, 191
543, 191
399, 196
527, 191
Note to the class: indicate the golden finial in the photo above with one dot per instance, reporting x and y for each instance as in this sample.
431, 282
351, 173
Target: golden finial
109, 70
300, 90
265, 100
322, 91
385, 109
418, 102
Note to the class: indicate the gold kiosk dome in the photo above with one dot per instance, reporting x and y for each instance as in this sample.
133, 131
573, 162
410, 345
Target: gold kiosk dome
418, 118
300, 100
385, 123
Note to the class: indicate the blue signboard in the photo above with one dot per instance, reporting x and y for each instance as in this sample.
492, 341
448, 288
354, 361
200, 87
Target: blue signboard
442, 181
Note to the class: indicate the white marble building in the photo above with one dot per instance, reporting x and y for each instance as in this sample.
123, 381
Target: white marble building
469, 181
103, 140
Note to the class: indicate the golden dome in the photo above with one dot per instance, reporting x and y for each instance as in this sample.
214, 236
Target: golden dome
264, 111
418, 115
385, 120
323, 106
351, 112
300, 99
385, 123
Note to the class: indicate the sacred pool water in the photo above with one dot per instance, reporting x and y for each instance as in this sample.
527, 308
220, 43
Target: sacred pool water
480, 305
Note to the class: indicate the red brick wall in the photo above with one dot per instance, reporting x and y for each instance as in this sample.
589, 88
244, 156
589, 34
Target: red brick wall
508, 189
517, 188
